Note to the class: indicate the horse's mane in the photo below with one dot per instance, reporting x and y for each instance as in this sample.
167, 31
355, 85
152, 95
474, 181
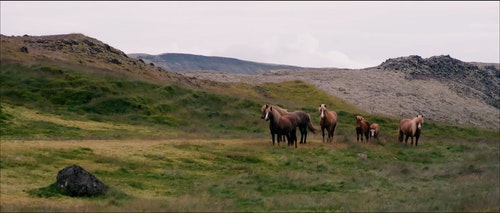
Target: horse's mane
279, 109
275, 113
359, 118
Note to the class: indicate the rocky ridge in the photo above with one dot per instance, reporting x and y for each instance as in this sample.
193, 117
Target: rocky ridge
402, 87
466, 79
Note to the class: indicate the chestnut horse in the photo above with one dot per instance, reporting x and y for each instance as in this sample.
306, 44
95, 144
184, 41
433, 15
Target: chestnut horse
374, 130
284, 125
328, 121
362, 128
304, 122
410, 128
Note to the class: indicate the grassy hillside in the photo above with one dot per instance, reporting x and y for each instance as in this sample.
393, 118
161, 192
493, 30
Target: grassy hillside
57, 102
45, 101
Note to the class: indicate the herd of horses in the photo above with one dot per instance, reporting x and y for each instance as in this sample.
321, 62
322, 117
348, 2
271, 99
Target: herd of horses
284, 125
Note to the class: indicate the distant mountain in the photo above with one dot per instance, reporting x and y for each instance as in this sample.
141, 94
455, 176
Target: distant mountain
179, 62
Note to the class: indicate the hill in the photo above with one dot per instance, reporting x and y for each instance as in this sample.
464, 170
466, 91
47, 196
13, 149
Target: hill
73, 86
178, 62
441, 88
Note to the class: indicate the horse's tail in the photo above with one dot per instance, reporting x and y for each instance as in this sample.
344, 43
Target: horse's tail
311, 127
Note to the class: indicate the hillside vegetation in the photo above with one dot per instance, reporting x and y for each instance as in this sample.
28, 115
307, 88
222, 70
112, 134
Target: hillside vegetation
168, 142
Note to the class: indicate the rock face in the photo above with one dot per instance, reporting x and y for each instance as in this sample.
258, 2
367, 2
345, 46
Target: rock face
466, 79
80, 183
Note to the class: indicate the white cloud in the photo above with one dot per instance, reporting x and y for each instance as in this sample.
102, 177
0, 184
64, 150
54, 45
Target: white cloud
302, 50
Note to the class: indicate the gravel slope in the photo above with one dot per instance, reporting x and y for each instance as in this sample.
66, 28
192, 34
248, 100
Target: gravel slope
383, 92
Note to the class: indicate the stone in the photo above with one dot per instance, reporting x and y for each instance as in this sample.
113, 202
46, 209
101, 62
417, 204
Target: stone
77, 182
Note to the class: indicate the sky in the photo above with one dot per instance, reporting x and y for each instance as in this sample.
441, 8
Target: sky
337, 34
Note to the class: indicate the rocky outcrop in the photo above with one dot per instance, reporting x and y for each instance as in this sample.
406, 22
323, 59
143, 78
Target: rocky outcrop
77, 182
466, 79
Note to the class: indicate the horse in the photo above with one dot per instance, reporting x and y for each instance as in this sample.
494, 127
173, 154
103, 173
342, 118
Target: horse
328, 121
272, 127
304, 122
410, 128
362, 128
285, 125
374, 130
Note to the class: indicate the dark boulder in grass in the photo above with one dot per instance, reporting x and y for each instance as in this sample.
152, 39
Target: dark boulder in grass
77, 182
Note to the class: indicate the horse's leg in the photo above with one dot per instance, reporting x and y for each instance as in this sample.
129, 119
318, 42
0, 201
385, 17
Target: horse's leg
305, 134
366, 136
323, 133
272, 137
416, 141
330, 135
294, 133
333, 130
406, 139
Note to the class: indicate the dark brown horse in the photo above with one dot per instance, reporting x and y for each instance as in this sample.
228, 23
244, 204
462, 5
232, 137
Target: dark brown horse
362, 128
410, 128
328, 121
304, 122
284, 125
272, 127
374, 130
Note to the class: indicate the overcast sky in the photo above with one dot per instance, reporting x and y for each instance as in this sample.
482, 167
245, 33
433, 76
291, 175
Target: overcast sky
309, 34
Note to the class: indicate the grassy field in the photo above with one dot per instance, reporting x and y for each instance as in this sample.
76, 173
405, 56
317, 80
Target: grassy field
252, 175
168, 147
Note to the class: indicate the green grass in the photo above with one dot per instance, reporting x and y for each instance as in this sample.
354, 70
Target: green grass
251, 175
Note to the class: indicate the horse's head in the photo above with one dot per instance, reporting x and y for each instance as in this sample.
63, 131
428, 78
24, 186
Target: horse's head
359, 118
372, 132
263, 110
268, 113
322, 109
420, 121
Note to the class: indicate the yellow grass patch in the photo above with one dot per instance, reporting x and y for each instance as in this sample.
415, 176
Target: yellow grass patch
23, 114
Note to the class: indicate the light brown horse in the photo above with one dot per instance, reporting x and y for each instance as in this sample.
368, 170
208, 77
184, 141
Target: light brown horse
328, 121
410, 128
374, 130
362, 128
284, 125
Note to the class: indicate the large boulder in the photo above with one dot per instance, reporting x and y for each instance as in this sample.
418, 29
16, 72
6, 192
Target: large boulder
79, 183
